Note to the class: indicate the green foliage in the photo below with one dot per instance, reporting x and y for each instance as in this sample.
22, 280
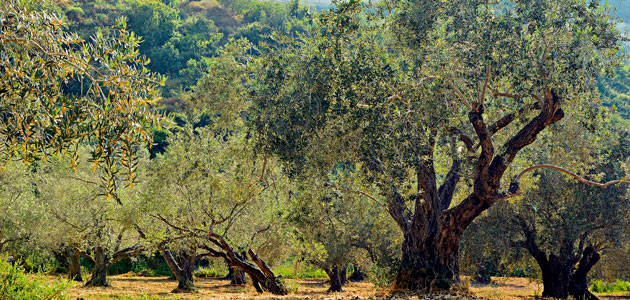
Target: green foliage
42, 114
208, 272
619, 286
293, 269
615, 92
16, 283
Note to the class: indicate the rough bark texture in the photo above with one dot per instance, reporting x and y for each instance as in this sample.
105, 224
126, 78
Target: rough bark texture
262, 277
235, 276
102, 260
578, 286
70, 258
433, 230
560, 277
555, 278
74, 264
101, 264
336, 277
182, 267
238, 278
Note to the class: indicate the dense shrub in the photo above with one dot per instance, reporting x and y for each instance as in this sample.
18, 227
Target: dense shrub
16, 283
600, 286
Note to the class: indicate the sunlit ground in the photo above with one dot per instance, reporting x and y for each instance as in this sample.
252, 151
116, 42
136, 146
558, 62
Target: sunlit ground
131, 287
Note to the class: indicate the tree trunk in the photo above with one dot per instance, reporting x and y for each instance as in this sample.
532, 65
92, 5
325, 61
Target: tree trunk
578, 287
74, 265
560, 282
101, 264
336, 279
556, 276
70, 258
357, 275
427, 266
182, 268
482, 275
262, 277
265, 276
238, 277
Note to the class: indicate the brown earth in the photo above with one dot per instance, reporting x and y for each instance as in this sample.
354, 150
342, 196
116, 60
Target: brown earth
131, 287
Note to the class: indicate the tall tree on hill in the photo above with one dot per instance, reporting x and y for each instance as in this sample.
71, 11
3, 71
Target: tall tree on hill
467, 84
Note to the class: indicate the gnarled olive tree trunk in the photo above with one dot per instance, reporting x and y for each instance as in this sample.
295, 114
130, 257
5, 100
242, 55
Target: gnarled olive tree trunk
182, 267
561, 278
103, 259
101, 266
433, 230
261, 275
337, 278
236, 276
70, 257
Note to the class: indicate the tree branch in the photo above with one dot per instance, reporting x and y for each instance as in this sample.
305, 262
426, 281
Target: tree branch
459, 94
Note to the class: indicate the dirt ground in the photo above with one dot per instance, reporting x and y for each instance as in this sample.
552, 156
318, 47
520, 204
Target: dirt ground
129, 287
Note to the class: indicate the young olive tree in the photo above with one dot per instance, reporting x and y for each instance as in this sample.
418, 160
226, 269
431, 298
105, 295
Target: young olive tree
40, 61
214, 197
437, 115
335, 223
82, 221
18, 206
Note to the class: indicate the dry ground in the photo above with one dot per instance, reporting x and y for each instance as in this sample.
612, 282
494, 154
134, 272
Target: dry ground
127, 287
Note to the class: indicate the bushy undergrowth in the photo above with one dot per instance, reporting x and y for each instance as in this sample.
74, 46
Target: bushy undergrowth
208, 272
307, 272
619, 286
16, 283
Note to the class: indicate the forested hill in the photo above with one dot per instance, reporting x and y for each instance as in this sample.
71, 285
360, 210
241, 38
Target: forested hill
179, 35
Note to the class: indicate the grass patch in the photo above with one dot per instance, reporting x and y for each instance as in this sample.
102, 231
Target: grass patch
208, 273
307, 272
603, 287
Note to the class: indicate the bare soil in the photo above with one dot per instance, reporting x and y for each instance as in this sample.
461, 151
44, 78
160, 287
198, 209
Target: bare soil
132, 287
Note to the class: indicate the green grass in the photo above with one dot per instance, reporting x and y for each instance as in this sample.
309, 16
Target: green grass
307, 272
600, 286
208, 273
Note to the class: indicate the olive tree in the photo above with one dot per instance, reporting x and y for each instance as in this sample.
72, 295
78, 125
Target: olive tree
18, 206
214, 197
336, 223
436, 115
82, 221
566, 225
57, 90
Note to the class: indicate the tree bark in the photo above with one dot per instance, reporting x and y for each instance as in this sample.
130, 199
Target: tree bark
236, 276
99, 274
433, 230
262, 277
357, 275
578, 287
182, 268
74, 265
70, 258
427, 266
336, 278
556, 276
